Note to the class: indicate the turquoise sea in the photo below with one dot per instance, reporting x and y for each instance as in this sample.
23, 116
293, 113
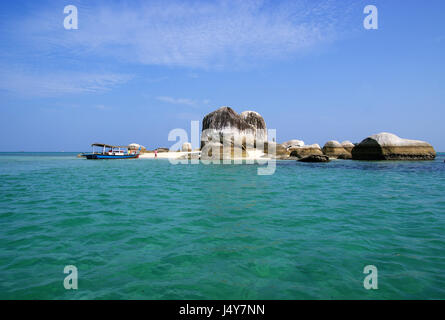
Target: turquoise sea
147, 229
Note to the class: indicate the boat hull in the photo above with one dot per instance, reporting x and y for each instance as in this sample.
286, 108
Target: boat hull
110, 157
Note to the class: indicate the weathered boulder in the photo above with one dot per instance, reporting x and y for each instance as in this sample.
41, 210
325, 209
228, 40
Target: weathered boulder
257, 121
276, 150
315, 158
241, 131
217, 151
293, 143
136, 146
186, 147
225, 124
388, 146
162, 150
347, 145
334, 149
304, 151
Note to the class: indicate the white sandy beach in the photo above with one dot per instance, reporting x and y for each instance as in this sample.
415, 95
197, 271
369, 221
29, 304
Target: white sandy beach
253, 155
166, 155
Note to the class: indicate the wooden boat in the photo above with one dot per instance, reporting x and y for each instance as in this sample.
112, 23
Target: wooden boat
111, 152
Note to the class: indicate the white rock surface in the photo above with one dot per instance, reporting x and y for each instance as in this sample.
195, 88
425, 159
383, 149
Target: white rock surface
333, 144
347, 144
387, 139
293, 143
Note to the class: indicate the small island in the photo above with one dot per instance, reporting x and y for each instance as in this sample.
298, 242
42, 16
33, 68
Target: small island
228, 135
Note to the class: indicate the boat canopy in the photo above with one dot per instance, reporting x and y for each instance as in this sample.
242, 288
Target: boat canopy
103, 145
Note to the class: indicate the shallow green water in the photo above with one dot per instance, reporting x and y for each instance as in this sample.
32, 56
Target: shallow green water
146, 229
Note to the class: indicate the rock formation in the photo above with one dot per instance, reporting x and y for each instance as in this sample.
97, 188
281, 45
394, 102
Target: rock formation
136, 146
304, 151
315, 158
388, 146
334, 149
186, 147
293, 143
347, 145
276, 150
217, 151
256, 120
225, 126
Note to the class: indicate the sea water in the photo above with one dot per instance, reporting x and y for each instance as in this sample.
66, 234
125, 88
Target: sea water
147, 229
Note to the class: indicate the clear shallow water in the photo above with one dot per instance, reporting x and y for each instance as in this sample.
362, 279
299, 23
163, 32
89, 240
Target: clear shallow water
146, 229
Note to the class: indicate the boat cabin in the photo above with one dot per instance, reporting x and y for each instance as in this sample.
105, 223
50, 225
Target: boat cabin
108, 151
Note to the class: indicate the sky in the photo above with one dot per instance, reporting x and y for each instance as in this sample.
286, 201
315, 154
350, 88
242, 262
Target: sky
135, 70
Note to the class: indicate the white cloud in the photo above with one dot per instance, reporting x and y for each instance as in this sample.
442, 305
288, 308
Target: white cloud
197, 34
183, 101
56, 84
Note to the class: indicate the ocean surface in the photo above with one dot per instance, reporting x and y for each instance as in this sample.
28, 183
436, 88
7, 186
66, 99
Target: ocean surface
147, 229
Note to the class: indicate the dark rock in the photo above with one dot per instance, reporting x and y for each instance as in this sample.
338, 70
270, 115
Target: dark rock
315, 158
345, 156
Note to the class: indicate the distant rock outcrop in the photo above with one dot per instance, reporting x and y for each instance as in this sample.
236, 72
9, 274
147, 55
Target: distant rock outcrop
136, 146
186, 147
347, 145
315, 158
293, 143
388, 146
304, 151
334, 149
276, 150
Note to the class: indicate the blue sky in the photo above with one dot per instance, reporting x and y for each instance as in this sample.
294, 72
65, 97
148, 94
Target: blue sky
133, 70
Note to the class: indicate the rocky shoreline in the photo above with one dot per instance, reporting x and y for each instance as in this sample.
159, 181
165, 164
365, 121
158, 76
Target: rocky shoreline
227, 135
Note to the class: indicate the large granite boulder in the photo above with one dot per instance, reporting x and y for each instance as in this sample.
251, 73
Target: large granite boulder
347, 145
276, 150
315, 158
256, 120
246, 130
293, 143
334, 149
304, 151
388, 146
217, 151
